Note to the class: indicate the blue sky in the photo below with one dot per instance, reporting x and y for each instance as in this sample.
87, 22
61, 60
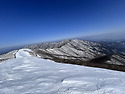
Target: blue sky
32, 21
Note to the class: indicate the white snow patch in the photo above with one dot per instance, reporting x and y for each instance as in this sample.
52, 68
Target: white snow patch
23, 53
32, 75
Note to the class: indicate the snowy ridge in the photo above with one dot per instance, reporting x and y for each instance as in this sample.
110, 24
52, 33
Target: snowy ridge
32, 75
9, 55
77, 52
23, 53
82, 53
70, 49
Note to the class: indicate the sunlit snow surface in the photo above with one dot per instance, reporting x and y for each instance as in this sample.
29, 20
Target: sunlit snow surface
32, 75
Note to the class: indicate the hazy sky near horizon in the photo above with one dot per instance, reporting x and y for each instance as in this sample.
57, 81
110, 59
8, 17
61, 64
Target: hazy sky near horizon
32, 21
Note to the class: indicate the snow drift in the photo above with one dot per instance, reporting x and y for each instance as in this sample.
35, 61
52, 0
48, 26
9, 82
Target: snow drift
32, 75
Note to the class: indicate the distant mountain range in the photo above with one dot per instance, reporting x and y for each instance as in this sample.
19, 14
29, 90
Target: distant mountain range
109, 36
109, 55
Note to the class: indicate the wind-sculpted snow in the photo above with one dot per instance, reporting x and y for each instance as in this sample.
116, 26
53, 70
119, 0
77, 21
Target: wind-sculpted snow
32, 75
23, 53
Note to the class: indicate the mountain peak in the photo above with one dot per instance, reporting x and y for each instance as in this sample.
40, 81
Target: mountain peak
80, 52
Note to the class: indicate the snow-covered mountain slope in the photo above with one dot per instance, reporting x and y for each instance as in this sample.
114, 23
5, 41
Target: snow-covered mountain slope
70, 49
117, 59
78, 52
82, 53
16, 54
32, 75
9, 55
117, 46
